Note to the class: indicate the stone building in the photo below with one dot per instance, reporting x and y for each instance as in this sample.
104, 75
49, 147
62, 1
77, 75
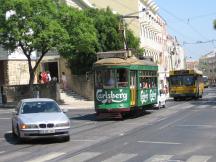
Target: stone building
207, 64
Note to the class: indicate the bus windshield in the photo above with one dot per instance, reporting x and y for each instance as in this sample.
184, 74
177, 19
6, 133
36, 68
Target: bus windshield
187, 80
111, 78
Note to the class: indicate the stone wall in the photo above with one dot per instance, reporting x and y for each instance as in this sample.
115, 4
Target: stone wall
83, 85
15, 93
18, 72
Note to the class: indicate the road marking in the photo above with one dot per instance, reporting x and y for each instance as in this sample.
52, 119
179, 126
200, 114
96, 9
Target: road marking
120, 157
82, 157
1, 152
159, 158
166, 143
8, 131
204, 126
1, 139
47, 157
171, 123
199, 159
5, 118
202, 106
83, 140
189, 106
10, 156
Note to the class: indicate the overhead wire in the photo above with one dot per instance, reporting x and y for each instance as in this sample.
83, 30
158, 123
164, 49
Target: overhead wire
183, 21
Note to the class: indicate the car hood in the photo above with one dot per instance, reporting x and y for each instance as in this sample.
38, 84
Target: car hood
36, 118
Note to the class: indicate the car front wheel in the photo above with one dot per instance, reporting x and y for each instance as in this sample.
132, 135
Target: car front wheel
66, 138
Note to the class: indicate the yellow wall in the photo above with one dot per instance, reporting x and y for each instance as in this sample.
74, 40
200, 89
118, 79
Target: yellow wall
123, 8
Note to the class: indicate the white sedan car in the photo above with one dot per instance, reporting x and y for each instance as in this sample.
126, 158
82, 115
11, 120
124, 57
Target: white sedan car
40, 118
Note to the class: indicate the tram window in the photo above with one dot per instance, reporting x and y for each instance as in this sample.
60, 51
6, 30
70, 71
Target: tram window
122, 77
109, 78
154, 82
98, 79
143, 82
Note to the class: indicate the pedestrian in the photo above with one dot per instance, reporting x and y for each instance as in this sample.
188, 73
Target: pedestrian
48, 76
44, 77
64, 81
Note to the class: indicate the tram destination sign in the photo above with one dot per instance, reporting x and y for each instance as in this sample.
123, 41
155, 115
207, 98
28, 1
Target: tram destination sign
114, 54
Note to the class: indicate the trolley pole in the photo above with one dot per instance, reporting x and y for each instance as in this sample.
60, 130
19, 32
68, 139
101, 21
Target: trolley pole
123, 25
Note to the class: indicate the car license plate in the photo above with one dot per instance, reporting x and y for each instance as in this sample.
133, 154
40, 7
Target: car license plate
47, 131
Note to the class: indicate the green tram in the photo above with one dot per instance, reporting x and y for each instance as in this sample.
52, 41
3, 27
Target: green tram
124, 84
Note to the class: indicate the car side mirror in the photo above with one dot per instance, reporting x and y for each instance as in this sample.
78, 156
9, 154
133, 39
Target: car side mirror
64, 110
14, 112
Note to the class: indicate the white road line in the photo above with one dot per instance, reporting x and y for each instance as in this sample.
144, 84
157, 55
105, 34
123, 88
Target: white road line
203, 126
1, 139
1, 152
9, 157
47, 157
189, 106
82, 140
159, 158
202, 106
155, 142
120, 157
171, 123
199, 159
82, 157
8, 131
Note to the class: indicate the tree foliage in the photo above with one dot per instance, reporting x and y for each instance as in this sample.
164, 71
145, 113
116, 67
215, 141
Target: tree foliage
109, 33
214, 23
109, 38
32, 26
82, 34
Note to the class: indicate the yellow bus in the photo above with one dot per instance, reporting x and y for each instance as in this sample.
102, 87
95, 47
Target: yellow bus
186, 83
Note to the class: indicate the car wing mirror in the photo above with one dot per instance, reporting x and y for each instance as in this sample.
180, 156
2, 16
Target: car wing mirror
64, 110
14, 112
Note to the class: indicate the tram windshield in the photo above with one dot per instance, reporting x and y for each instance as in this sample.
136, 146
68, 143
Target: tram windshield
111, 78
182, 80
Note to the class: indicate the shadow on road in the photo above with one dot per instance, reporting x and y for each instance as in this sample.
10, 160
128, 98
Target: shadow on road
10, 138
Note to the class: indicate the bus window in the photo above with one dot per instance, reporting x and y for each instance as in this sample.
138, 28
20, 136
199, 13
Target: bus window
122, 77
188, 80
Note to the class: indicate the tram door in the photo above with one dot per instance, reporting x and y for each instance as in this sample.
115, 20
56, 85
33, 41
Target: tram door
133, 88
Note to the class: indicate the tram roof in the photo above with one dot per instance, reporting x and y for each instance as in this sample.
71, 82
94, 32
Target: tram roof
123, 62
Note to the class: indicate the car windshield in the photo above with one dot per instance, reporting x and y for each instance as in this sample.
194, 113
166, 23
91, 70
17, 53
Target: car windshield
39, 107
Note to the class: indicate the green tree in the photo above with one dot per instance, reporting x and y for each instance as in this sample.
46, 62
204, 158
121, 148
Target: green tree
109, 32
82, 43
108, 38
214, 23
32, 26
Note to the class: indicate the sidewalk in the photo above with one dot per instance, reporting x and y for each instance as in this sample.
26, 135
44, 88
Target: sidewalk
78, 105
71, 105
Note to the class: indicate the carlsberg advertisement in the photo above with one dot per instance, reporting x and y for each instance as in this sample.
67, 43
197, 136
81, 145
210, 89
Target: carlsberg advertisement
111, 96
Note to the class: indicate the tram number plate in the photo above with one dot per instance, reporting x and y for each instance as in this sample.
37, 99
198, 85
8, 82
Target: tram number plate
47, 131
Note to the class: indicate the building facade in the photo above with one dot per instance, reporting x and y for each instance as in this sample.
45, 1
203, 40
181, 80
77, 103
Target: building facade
207, 64
151, 28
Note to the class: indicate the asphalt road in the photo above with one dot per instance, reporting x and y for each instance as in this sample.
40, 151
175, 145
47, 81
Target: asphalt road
185, 131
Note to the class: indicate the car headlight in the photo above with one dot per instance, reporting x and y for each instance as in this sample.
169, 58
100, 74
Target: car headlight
65, 124
28, 126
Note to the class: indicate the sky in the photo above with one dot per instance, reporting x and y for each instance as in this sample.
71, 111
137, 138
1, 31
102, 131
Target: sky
191, 21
